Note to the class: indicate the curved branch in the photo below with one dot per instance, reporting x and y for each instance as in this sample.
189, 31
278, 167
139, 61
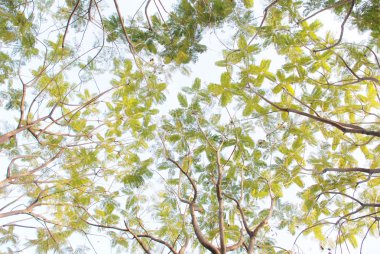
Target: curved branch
147, 16
219, 196
344, 194
236, 245
131, 47
355, 199
201, 238
263, 20
170, 247
341, 29
310, 227
374, 54
22, 104
192, 206
7, 136
324, 9
242, 215
349, 214
145, 248
345, 128
68, 22
265, 220
363, 170
126, 229
188, 177
365, 236
45, 164
14, 160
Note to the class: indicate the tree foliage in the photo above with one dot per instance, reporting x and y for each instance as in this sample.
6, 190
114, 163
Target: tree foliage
87, 150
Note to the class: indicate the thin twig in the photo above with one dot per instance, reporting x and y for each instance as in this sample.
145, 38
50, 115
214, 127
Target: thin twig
147, 16
68, 22
341, 29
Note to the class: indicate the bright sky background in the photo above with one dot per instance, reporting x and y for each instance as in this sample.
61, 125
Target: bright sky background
205, 69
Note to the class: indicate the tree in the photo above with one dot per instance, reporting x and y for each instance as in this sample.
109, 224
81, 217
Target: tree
89, 150
363, 13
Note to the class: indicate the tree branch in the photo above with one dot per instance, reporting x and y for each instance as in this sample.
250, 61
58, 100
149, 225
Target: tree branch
354, 199
220, 202
7, 136
236, 245
45, 164
68, 22
345, 128
14, 160
242, 215
324, 9
147, 16
363, 170
201, 238
131, 47
252, 237
170, 247
263, 20
341, 29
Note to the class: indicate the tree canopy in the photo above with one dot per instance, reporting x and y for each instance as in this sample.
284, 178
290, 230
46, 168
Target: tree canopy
286, 141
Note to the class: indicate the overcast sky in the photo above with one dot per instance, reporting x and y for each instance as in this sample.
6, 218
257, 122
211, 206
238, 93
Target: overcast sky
205, 69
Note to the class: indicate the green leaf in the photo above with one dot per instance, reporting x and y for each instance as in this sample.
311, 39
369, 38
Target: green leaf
215, 89
182, 100
264, 64
248, 3
221, 63
225, 98
297, 180
352, 240
374, 182
257, 155
242, 43
248, 109
335, 143
196, 84
225, 79
277, 89
109, 106
270, 76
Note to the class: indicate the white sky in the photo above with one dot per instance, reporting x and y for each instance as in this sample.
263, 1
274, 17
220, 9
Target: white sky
205, 69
